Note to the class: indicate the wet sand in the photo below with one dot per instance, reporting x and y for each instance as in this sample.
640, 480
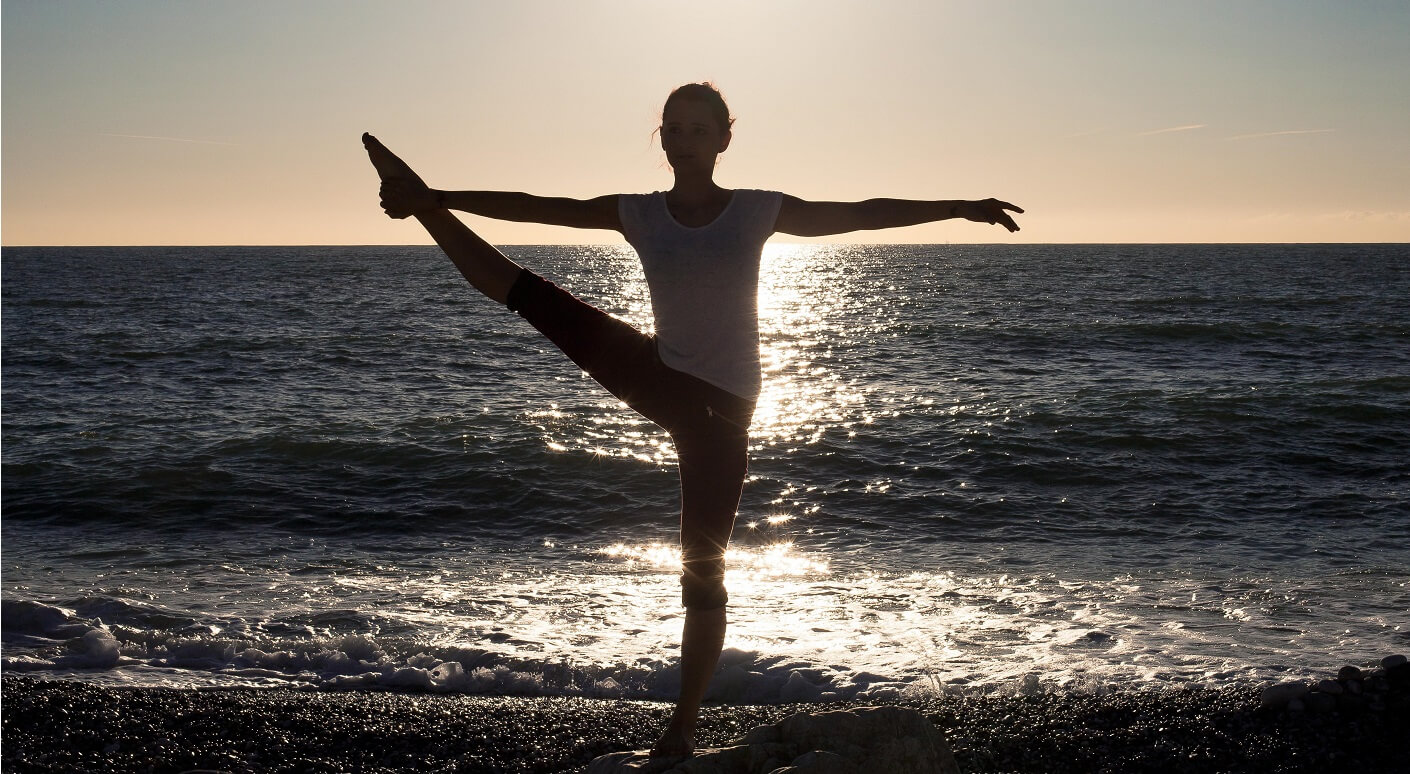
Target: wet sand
68, 726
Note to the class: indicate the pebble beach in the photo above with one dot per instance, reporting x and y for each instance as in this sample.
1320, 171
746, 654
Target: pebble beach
55, 725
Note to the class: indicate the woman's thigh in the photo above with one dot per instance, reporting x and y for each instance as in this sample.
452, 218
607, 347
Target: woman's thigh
616, 355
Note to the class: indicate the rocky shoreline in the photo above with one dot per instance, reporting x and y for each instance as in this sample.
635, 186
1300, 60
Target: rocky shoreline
1352, 692
68, 726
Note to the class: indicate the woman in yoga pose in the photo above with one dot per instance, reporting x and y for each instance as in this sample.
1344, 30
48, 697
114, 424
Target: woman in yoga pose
698, 377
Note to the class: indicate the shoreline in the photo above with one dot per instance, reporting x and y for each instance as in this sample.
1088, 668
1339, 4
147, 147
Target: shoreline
53, 725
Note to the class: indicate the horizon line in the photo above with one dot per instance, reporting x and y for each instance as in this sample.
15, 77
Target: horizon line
623, 244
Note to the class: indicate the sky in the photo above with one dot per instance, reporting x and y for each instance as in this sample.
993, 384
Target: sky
208, 122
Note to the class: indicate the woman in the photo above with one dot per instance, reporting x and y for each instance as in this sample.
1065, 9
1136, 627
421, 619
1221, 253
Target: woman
699, 376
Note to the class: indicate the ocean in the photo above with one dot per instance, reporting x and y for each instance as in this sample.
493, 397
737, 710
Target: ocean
975, 468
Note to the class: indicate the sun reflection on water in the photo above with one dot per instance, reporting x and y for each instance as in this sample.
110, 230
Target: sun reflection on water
616, 609
743, 564
806, 306
802, 299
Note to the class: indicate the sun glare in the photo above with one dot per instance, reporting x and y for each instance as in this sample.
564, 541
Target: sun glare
804, 294
800, 293
747, 564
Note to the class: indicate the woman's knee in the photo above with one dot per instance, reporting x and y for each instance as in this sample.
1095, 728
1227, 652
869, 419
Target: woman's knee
703, 573
703, 592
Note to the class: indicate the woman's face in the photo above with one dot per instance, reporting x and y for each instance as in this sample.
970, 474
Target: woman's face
690, 136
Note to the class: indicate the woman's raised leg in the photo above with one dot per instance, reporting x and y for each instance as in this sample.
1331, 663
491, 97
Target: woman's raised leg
484, 267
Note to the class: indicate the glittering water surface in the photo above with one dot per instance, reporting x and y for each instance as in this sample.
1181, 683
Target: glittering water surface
971, 465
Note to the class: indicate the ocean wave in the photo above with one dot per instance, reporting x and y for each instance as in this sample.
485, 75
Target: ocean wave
119, 654
50, 638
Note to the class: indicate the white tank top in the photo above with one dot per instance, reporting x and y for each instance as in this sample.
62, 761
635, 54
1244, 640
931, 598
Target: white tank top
704, 284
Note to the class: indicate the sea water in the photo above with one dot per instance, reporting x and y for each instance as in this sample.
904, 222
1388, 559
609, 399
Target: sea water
974, 468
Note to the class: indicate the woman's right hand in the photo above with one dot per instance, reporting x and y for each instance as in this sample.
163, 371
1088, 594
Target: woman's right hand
403, 198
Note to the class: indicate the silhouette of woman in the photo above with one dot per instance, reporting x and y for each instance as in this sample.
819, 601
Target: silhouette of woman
698, 377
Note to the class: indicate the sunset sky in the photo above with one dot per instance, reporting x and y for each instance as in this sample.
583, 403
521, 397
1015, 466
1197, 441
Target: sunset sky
237, 122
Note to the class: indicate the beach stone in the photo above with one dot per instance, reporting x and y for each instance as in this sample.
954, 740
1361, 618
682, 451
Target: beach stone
865, 739
819, 762
1349, 673
710, 760
1351, 703
1330, 686
1390, 662
1278, 695
1398, 678
1319, 702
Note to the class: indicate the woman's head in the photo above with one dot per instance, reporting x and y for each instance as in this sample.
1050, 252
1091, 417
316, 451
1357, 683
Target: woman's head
695, 128
706, 94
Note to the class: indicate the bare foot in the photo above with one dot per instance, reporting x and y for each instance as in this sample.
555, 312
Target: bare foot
675, 742
386, 163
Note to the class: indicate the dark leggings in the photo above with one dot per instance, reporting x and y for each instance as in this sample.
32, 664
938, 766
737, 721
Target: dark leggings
709, 425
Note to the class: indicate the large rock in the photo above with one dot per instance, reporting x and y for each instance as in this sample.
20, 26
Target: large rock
1278, 696
860, 741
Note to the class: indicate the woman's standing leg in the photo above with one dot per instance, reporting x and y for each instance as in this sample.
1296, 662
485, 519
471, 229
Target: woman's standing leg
712, 470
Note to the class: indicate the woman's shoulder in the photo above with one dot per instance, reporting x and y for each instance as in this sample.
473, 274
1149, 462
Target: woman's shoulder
639, 201
759, 200
639, 212
757, 195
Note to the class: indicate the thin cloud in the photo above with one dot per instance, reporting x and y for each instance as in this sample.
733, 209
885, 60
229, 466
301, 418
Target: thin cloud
1185, 128
168, 139
1368, 216
1283, 133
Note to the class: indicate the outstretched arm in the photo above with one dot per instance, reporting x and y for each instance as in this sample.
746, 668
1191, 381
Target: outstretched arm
805, 218
402, 198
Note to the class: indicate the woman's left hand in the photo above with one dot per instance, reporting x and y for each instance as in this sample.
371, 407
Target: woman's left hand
989, 211
403, 198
